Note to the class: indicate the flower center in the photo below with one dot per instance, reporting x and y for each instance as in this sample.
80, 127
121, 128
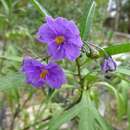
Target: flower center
59, 40
43, 74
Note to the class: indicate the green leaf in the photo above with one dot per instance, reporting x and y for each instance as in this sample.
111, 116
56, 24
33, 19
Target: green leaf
40, 8
5, 5
124, 87
90, 118
116, 49
12, 58
123, 71
91, 77
128, 116
64, 117
86, 26
14, 80
121, 106
87, 119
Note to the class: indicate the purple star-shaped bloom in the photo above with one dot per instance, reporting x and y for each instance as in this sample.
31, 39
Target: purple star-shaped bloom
39, 74
62, 37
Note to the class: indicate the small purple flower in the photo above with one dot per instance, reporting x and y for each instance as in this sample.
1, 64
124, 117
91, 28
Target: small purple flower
108, 65
39, 74
62, 37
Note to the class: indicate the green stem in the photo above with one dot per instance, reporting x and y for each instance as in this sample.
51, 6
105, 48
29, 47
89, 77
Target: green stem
79, 72
37, 122
80, 77
128, 116
18, 111
3, 53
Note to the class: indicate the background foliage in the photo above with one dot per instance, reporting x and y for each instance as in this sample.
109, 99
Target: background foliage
23, 107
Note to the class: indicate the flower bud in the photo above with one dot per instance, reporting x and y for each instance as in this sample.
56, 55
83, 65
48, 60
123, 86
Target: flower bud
108, 65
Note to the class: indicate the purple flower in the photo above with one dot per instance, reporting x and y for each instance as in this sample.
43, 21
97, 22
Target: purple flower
62, 37
108, 65
39, 74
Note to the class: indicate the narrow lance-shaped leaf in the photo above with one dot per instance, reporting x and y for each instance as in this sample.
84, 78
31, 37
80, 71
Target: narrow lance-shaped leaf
119, 98
90, 118
87, 119
123, 71
5, 5
14, 80
40, 8
85, 12
66, 116
12, 58
116, 49
88, 22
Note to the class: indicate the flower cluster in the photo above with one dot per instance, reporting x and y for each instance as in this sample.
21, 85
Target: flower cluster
63, 40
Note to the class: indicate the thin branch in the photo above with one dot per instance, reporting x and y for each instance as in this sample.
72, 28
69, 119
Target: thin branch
36, 123
80, 76
79, 73
18, 110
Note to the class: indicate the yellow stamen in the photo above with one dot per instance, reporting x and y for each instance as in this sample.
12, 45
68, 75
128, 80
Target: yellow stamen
43, 74
59, 40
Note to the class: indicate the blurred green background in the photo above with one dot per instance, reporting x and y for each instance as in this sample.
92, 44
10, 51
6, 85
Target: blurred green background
19, 22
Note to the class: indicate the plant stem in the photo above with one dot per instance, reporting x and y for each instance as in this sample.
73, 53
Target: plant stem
128, 111
79, 72
36, 123
79, 75
3, 52
14, 117
17, 111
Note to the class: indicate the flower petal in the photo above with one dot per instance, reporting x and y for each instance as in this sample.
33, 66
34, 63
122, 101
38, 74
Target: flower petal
56, 51
76, 41
55, 77
32, 70
34, 79
29, 64
45, 34
66, 26
71, 51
